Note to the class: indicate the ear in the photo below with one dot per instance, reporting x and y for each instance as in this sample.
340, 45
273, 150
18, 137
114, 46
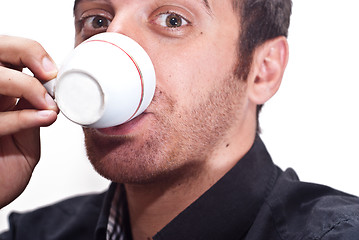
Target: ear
269, 62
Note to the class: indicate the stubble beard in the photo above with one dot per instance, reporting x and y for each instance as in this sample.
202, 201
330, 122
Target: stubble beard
178, 143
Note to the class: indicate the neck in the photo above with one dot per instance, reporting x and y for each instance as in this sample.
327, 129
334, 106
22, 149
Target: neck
153, 206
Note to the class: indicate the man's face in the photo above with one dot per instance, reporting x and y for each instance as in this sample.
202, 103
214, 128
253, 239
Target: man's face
198, 100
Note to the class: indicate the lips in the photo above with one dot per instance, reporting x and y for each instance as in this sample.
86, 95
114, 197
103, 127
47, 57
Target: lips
130, 127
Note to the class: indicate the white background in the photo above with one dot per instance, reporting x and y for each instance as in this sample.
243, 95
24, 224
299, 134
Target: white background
310, 125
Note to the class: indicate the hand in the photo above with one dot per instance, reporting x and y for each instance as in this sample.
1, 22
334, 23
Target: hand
25, 106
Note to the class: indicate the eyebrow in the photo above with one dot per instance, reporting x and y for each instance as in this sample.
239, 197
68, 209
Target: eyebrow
78, 1
205, 2
208, 7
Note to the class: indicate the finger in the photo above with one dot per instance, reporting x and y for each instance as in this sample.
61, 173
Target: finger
23, 104
15, 121
19, 85
21, 52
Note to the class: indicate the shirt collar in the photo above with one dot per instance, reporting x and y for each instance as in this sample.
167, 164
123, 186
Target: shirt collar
115, 202
228, 209
101, 227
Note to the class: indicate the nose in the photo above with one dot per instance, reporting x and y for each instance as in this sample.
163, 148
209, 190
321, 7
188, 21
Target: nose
128, 23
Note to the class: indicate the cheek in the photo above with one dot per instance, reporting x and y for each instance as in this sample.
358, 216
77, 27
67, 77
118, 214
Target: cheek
189, 73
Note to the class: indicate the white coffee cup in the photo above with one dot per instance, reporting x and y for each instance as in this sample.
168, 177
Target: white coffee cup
106, 81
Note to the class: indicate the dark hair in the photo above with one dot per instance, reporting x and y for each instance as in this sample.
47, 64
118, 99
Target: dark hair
260, 20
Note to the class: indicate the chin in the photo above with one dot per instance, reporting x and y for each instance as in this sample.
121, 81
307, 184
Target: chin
126, 159
137, 161
134, 172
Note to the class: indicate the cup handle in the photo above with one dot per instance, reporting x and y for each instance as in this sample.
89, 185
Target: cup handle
50, 87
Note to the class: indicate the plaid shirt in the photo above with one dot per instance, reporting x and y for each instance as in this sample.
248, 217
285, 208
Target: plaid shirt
118, 218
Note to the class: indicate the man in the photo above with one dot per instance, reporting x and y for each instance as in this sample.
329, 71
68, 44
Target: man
192, 166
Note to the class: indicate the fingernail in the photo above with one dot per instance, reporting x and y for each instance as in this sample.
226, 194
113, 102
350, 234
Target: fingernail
48, 65
44, 113
50, 102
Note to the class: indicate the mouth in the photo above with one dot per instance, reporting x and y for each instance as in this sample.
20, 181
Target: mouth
128, 128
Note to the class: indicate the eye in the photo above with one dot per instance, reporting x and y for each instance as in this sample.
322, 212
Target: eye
171, 20
95, 23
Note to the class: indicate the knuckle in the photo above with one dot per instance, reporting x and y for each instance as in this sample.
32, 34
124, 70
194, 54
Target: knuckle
21, 119
35, 46
27, 46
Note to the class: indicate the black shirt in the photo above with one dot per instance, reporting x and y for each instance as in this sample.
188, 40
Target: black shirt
254, 201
